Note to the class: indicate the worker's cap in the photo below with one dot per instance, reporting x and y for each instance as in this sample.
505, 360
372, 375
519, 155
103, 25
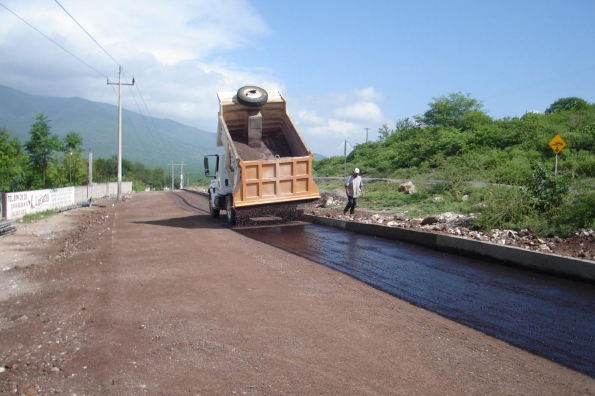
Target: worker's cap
356, 170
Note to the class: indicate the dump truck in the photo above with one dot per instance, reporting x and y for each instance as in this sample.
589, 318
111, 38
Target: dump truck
266, 167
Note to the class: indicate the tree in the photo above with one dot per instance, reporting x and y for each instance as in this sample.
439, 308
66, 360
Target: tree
13, 163
73, 142
41, 145
564, 104
384, 132
456, 110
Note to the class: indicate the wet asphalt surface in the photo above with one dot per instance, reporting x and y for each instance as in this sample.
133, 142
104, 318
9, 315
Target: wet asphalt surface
549, 316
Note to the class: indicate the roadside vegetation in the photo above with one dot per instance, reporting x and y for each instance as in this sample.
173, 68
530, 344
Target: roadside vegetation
457, 143
37, 216
45, 161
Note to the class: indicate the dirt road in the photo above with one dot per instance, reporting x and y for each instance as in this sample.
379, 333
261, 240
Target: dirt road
152, 296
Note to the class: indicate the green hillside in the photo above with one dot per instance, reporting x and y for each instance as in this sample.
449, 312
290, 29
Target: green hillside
154, 143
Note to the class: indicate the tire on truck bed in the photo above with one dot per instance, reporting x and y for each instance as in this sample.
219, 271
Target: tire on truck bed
252, 96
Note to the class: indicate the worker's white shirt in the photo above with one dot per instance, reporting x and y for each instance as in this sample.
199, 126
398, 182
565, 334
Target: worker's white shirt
354, 184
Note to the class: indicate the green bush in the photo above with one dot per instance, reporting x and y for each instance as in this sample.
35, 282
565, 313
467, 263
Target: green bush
503, 208
547, 190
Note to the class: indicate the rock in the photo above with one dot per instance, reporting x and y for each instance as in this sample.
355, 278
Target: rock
429, 220
407, 188
392, 223
400, 217
31, 392
55, 369
12, 366
437, 199
465, 197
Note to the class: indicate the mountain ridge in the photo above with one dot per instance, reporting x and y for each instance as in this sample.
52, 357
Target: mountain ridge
154, 142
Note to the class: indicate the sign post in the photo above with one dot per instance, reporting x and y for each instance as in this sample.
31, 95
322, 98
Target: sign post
346, 147
557, 144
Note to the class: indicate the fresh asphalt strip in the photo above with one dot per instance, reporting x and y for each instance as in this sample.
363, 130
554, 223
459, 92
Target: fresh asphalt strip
543, 262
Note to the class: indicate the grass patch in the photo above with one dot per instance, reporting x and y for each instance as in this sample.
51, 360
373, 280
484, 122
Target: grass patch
36, 216
386, 196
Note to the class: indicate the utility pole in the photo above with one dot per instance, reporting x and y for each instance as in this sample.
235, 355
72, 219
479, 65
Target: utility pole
344, 144
181, 175
367, 129
119, 129
70, 167
90, 171
344, 160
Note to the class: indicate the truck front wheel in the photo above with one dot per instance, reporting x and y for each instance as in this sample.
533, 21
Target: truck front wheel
214, 212
231, 212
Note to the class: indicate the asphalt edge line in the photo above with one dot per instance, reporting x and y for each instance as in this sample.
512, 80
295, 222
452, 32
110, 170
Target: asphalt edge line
553, 264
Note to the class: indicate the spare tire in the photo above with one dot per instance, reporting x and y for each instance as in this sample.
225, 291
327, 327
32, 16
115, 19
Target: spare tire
252, 96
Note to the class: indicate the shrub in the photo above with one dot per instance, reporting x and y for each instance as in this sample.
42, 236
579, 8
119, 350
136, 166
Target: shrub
546, 190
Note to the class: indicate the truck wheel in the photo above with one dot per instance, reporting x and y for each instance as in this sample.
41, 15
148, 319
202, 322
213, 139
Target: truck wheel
231, 213
252, 96
214, 212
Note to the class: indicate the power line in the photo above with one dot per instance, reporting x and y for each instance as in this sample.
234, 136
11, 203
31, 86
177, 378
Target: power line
86, 32
95, 70
126, 114
126, 71
151, 117
139, 111
64, 49
118, 63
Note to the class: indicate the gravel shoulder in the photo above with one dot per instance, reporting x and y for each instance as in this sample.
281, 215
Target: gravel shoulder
152, 296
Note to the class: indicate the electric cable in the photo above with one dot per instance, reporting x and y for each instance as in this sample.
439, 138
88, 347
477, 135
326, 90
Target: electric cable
64, 49
75, 21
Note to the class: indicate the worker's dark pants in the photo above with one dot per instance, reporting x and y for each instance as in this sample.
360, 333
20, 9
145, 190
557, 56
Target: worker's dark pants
351, 202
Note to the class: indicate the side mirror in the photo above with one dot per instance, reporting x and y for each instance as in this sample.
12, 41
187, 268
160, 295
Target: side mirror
207, 173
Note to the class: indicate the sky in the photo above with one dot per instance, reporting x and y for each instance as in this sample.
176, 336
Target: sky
342, 65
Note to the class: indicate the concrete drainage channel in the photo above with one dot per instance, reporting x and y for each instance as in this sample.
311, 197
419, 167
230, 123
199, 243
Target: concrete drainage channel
548, 263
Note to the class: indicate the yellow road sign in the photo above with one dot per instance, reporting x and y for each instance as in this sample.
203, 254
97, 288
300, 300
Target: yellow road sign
557, 144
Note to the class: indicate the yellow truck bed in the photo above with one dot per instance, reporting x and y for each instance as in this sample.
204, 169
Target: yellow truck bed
276, 167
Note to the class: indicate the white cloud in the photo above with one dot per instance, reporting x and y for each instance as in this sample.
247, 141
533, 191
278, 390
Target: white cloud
336, 116
333, 127
176, 51
360, 112
164, 45
367, 94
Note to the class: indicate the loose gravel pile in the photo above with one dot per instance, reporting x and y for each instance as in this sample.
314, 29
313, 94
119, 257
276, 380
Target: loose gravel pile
270, 147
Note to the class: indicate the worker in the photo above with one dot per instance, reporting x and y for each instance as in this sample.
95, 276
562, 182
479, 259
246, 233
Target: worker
353, 189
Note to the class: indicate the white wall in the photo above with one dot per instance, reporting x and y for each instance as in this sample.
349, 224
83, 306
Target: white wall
19, 204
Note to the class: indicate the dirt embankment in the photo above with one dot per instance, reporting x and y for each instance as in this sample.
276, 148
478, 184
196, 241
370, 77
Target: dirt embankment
29, 283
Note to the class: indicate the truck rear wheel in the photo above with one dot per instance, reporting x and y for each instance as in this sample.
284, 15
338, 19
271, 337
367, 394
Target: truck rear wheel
252, 96
231, 213
214, 212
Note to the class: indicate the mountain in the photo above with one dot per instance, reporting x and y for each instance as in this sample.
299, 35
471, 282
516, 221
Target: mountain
154, 142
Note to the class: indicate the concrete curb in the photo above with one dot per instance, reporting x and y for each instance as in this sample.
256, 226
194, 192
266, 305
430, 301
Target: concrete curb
549, 263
